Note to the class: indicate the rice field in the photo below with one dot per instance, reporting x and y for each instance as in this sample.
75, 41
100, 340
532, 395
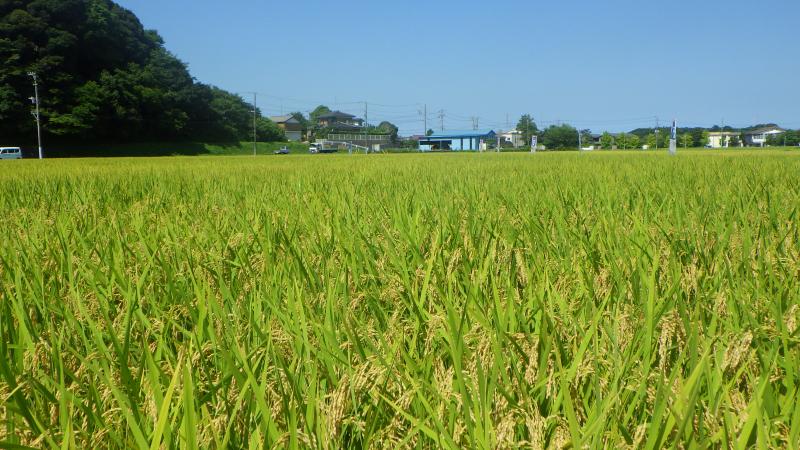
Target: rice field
556, 300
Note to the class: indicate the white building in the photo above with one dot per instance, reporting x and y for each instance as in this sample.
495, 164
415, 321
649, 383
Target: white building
758, 137
754, 138
723, 139
512, 137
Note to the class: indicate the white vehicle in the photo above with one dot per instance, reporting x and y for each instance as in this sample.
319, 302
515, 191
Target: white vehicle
10, 153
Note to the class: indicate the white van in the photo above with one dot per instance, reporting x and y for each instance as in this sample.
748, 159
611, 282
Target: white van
10, 153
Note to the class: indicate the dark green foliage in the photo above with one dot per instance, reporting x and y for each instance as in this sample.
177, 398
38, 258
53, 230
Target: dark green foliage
104, 78
789, 138
606, 141
390, 129
528, 127
687, 140
302, 119
560, 137
318, 111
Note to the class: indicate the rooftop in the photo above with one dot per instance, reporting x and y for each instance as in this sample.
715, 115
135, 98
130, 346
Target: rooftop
283, 119
336, 115
766, 130
457, 134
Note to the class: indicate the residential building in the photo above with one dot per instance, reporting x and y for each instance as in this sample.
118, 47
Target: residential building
513, 137
290, 126
723, 139
458, 140
340, 121
758, 137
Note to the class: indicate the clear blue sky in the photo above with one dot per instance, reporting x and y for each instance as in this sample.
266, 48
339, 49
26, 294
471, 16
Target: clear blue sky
611, 65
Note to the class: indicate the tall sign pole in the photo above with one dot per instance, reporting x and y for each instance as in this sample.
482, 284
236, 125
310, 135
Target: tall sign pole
534, 142
35, 100
673, 139
255, 133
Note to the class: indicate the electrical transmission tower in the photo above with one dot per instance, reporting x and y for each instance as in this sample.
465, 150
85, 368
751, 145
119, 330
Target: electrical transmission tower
475, 122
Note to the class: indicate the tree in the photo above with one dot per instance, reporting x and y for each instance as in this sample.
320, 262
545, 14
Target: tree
623, 141
390, 129
663, 138
687, 140
792, 138
269, 131
651, 141
634, 141
429, 132
104, 77
560, 137
527, 127
318, 111
586, 138
734, 141
706, 138
606, 141
304, 123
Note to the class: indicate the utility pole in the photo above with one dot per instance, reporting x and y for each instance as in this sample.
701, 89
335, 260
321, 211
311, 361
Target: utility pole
425, 119
508, 125
425, 133
255, 112
35, 100
656, 132
580, 144
475, 122
441, 119
366, 125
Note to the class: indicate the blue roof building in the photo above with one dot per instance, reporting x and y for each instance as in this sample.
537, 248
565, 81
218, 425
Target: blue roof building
457, 140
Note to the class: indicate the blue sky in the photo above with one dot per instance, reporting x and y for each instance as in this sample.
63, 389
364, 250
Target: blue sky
605, 65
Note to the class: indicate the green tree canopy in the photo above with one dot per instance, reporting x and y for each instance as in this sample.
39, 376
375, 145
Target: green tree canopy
527, 126
389, 128
606, 141
687, 140
623, 141
634, 141
103, 77
318, 111
560, 137
302, 119
705, 138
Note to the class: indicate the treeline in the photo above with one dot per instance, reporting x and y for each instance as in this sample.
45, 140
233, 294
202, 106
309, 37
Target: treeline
566, 137
104, 78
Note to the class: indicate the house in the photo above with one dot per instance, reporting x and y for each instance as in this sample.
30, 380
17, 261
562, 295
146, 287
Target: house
758, 137
290, 126
457, 140
340, 121
723, 139
513, 137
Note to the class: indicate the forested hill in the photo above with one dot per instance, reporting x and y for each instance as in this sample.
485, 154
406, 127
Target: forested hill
104, 78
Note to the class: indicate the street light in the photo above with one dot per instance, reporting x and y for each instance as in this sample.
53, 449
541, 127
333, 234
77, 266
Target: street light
35, 113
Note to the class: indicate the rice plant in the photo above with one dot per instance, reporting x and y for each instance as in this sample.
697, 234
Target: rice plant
613, 300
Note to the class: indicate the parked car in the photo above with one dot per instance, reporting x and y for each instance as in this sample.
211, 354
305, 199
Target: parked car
282, 151
10, 153
314, 148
